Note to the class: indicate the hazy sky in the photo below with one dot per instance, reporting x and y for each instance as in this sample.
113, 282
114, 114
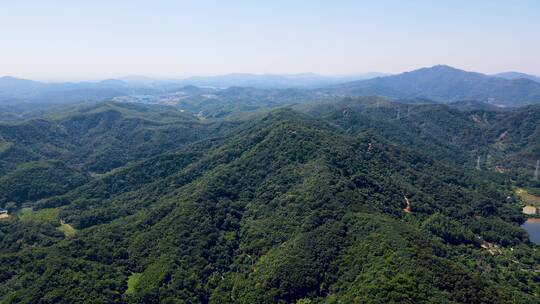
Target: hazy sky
46, 39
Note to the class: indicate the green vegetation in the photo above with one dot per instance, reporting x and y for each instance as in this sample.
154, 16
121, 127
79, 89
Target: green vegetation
289, 206
51, 156
32, 181
46, 216
49, 216
133, 280
67, 230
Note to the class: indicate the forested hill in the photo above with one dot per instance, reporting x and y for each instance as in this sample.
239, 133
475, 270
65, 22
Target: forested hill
346, 202
504, 140
69, 145
446, 84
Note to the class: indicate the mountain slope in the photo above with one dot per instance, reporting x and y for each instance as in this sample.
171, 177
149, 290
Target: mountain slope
288, 208
98, 138
446, 84
502, 141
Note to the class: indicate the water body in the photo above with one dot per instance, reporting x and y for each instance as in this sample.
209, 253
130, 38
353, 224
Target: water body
533, 229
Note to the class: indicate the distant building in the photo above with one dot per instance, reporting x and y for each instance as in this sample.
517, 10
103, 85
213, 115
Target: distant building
530, 210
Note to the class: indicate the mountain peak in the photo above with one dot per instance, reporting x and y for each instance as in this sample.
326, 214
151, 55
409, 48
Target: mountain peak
444, 83
441, 68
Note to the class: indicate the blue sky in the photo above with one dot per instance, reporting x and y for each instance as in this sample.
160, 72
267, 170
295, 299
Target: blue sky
53, 40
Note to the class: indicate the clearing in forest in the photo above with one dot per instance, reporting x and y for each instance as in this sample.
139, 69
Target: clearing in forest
132, 282
47, 216
528, 198
67, 229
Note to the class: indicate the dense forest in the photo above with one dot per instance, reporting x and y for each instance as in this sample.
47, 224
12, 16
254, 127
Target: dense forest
354, 200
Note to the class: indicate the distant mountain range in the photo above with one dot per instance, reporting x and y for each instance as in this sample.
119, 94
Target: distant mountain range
40, 92
438, 83
446, 84
34, 91
273, 81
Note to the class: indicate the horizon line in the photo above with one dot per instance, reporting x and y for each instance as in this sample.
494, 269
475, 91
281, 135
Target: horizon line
187, 77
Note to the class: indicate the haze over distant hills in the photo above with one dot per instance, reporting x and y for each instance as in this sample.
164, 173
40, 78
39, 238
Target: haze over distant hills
305, 80
12, 88
438, 83
29, 90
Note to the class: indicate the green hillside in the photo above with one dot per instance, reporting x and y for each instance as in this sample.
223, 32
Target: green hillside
315, 207
72, 144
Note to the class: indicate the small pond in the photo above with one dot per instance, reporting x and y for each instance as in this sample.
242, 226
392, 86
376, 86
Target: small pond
533, 228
